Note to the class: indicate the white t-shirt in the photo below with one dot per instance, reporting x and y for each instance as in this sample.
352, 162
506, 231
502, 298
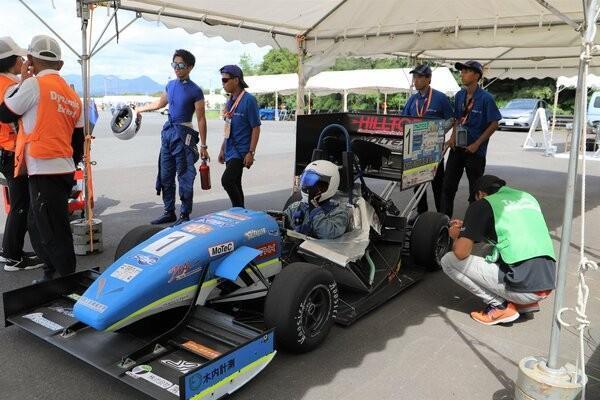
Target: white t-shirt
25, 103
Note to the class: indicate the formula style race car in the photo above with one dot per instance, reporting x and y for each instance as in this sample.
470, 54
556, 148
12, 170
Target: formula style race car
197, 310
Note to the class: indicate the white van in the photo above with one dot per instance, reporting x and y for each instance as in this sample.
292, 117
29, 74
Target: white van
593, 116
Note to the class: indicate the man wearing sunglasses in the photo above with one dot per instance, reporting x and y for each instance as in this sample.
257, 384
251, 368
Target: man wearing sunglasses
242, 129
179, 151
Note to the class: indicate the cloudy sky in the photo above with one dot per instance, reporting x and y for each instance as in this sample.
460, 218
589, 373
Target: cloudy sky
144, 48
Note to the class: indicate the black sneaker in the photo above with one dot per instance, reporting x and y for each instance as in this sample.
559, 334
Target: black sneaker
25, 254
165, 218
182, 218
25, 263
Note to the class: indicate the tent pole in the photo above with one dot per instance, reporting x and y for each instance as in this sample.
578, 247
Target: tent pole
276, 107
579, 126
554, 112
385, 103
378, 98
309, 105
345, 100
301, 77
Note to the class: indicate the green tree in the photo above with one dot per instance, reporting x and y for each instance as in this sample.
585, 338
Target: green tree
246, 65
278, 61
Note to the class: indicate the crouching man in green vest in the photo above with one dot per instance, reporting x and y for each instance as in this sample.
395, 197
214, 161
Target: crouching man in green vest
521, 269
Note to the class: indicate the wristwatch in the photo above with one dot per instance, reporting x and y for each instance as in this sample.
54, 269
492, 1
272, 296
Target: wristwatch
251, 152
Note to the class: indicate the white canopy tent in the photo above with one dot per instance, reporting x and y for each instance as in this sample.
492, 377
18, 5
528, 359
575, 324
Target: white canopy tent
525, 33
563, 82
363, 81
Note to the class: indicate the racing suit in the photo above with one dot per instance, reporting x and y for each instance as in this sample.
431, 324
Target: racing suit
327, 221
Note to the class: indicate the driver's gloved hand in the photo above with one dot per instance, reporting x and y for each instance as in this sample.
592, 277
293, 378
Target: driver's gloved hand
298, 217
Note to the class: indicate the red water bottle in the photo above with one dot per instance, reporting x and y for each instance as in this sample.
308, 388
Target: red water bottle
204, 175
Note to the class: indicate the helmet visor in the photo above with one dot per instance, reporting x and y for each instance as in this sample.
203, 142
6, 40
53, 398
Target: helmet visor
311, 181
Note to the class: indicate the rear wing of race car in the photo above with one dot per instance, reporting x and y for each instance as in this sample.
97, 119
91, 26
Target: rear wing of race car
199, 353
410, 147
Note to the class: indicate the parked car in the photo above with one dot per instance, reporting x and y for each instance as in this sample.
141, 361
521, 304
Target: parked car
519, 113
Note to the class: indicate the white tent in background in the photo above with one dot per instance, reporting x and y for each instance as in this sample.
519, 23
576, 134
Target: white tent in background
369, 81
361, 81
563, 82
283, 84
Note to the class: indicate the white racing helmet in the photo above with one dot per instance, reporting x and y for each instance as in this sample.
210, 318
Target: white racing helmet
320, 180
124, 123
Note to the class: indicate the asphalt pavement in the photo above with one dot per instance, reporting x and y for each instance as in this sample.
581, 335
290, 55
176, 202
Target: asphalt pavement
420, 345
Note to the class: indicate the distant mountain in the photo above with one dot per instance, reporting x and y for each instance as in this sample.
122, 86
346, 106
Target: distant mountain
113, 85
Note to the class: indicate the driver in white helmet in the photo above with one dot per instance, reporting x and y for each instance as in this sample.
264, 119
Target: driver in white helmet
317, 215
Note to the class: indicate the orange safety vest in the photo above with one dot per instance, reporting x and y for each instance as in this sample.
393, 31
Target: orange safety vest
8, 136
58, 111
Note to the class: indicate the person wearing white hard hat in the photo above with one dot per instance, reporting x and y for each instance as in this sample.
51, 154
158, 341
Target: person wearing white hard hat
13, 256
317, 215
49, 145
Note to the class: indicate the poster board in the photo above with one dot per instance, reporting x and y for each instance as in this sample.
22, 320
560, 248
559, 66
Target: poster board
423, 144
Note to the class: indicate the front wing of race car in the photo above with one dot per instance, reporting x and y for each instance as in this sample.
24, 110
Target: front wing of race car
203, 354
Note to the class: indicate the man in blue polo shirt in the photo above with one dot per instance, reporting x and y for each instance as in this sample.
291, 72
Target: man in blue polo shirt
179, 151
242, 130
430, 103
477, 119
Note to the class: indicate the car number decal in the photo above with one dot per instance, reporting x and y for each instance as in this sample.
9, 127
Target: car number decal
168, 243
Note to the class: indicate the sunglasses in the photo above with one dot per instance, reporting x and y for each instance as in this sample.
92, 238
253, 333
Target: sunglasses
225, 80
175, 65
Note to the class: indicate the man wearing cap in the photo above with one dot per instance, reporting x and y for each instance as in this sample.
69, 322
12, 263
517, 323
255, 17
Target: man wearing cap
520, 269
179, 151
49, 145
242, 130
13, 256
477, 119
430, 103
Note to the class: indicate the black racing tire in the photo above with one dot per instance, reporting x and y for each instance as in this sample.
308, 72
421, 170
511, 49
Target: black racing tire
296, 196
134, 237
430, 240
301, 305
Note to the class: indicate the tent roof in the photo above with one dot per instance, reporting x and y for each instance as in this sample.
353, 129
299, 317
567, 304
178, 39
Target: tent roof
490, 30
283, 84
377, 80
593, 82
360, 81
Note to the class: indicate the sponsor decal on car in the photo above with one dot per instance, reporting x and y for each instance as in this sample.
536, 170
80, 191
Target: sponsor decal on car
74, 296
125, 272
254, 233
100, 287
210, 376
268, 249
145, 372
182, 271
201, 350
68, 311
168, 243
39, 319
144, 259
216, 222
198, 229
92, 304
221, 249
182, 366
235, 216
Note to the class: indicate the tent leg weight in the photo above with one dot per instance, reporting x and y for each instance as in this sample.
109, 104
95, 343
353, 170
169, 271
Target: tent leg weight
536, 381
86, 240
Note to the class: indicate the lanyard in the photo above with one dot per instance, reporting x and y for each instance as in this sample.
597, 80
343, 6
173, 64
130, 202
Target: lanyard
467, 109
426, 103
230, 112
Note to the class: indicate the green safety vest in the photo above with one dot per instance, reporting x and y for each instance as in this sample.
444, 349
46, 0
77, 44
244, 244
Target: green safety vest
520, 227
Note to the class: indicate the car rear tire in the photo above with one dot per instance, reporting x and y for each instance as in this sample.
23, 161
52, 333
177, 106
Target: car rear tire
301, 305
430, 240
134, 237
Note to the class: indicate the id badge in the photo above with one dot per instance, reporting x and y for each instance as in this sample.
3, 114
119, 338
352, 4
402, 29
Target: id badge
462, 138
227, 128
